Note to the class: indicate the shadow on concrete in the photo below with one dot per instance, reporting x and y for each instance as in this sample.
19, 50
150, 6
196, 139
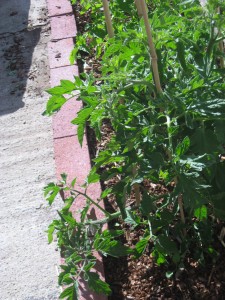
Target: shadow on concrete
17, 43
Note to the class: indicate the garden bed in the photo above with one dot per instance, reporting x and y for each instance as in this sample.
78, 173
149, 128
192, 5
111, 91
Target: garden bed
180, 254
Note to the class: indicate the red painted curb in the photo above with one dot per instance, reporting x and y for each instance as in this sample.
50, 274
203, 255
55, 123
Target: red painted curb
70, 158
59, 53
59, 7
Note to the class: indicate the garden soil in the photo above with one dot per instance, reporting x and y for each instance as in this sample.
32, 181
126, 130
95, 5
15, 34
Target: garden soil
27, 262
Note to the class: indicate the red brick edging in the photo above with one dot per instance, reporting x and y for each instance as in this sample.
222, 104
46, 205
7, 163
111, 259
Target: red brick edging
70, 158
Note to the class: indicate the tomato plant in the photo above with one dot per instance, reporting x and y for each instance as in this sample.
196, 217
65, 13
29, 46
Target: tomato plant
167, 126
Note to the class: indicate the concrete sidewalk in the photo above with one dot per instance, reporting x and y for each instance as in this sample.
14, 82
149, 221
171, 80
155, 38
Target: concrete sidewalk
27, 269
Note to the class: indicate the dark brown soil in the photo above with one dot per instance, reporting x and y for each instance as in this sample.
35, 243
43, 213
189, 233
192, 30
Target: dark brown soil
143, 279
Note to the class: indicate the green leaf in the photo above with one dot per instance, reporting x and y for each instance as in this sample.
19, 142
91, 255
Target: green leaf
140, 247
68, 218
64, 177
71, 293
160, 258
64, 278
201, 213
204, 141
82, 116
50, 231
50, 192
132, 219
60, 90
97, 285
55, 103
80, 120
112, 233
183, 146
181, 54
73, 182
68, 85
73, 54
93, 177
147, 204
166, 244
80, 133
68, 202
106, 192
113, 248
89, 266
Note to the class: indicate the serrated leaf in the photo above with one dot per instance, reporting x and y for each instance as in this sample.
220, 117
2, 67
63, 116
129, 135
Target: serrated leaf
73, 53
140, 247
82, 116
68, 218
80, 133
204, 141
147, 204
113, 248
168, 246
89, 266
80, 120
112, 233
93, 177
64, 278
57, 90
50, 192
132, 219
71, 293
183, 146
68, 85
97, 285
50, 231
68, 202
55, 103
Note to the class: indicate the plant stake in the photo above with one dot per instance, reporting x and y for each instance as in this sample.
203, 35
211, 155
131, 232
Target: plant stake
139, 8
151, 47
108, 19
221, 48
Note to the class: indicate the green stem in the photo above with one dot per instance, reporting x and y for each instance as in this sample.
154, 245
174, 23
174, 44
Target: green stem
93, 202
170, 152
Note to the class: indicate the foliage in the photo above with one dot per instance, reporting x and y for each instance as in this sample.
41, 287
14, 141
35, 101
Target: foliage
175, 137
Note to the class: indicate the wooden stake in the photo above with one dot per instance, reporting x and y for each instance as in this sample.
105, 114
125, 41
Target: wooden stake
221, 47
151, 47
108, 19
139, 8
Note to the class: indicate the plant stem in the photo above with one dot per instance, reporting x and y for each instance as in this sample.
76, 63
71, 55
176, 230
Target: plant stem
151, 47
181, 208
136, 188
93, 202
108, 19
170, 154
110, 218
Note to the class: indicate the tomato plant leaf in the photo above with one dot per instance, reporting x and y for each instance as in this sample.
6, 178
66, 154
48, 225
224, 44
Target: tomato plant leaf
97, 285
